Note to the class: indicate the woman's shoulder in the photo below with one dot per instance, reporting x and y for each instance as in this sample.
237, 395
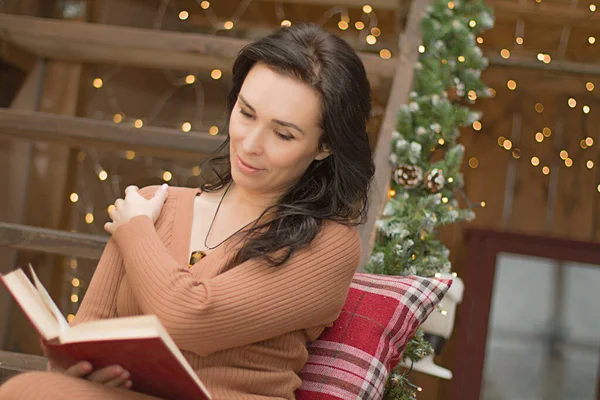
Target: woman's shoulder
336, 233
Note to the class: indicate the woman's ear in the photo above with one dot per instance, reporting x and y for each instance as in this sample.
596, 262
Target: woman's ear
323, 154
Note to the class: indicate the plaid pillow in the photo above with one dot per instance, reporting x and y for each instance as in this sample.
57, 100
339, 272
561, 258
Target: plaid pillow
353, 358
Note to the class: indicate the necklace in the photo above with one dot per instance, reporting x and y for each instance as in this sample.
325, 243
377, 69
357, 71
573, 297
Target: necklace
200, 254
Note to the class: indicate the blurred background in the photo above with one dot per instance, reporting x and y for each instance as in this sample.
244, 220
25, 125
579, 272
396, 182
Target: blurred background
97, 95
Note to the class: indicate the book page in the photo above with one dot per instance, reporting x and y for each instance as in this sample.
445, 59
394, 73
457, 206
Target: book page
52, 307
28, 298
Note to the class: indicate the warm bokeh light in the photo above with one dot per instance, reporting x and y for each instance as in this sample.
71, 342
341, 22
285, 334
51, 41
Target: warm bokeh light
505, 53
572, 102
519, 40
186, 127
535, 161
117, 118
367, 9
589, 164
216, 74
138, 123
539, 137
359, 25
74, 197
205, 5
190, 79
539, 107
228, 25
545, 170
589, 86
286, 22
183, 15
343, 25
512, 85
516, 153
102, 175
547, 131
477, 125
213, 130
167, 176
130, 154
371, 39
473, 162
564, 155
89, 218
385, 54
98, 83
507, 144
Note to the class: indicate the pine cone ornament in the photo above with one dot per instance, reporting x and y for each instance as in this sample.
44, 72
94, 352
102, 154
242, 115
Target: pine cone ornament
408, 176
434, 180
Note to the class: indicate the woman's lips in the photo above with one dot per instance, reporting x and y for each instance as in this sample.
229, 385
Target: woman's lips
247, 167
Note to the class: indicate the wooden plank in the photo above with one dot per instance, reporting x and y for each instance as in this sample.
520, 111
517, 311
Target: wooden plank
401, 86
378, 5
52, 241
530, 61
91, 132
99, 43
16, 56
545, 12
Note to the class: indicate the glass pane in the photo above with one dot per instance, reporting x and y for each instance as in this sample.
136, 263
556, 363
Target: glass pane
544, 334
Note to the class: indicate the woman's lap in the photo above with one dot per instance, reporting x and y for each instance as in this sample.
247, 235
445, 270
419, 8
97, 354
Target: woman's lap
55, 386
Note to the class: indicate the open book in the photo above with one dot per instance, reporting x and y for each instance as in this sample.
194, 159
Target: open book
139, 344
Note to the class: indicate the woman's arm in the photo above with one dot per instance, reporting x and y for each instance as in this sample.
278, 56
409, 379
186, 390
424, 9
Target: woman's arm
100, 300
249, 303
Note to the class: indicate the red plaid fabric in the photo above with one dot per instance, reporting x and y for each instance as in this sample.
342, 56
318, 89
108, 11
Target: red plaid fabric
353, 358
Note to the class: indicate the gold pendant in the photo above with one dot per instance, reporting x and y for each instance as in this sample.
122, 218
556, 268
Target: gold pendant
195, 257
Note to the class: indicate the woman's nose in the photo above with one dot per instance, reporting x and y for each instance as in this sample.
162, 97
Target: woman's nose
252, 143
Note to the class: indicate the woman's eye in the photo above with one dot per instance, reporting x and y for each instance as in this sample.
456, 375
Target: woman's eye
283, 136
245, 114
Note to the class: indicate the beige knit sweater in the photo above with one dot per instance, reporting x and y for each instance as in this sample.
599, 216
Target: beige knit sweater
243, 331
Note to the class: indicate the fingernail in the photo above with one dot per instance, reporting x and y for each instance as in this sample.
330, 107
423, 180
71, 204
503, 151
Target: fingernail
125, 375
86, 367
129, 384
165, 186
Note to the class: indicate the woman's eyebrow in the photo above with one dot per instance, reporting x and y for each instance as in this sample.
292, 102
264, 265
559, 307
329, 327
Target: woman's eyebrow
277, 121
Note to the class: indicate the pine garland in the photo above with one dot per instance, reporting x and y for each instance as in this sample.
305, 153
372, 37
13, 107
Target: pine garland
426, 157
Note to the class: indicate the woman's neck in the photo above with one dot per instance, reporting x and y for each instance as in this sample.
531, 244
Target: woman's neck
250, 202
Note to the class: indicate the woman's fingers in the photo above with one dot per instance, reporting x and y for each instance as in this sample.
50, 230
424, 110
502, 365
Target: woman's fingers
108, 374
119, 203
79, 370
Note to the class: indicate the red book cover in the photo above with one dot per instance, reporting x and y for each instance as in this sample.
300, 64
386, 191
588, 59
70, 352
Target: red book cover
154, 370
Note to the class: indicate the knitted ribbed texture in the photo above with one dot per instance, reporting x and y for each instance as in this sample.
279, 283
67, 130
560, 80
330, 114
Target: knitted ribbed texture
243, 331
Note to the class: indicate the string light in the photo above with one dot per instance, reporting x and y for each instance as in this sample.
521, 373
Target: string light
507, 144
492, 92
375, 31
547, 59
564, 155
130, 154
583, 144
450, 179
98, 83
167, 176
183, 15
539, 107
421, 49
589, 164
539, 137
367, 9
186, 127
589, 141
117, 118
75, 282
216, 74
228, 25
505, 53
545, 170
444, 200
482, 204
102, 175
138, 123
359, 25
70, 318
190, 79
451, 5
213, 130
286, 22
74, 197
586, 109
516, 153
461, 59
371, 39
385, 54
205, 5
592, 40
589, 86
572, 102
392, 193
547, 131
343, 25
501, 140
535, 161
472, 23
110, 208
479, 40
512, 85
74, 298
89, 218
477, 126
441, 141
568, 162
519, 40
473, 162
598, 188
196, 170
592, 7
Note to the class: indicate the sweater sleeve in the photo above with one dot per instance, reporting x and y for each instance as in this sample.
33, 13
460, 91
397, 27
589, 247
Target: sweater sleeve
247, 304
100, 301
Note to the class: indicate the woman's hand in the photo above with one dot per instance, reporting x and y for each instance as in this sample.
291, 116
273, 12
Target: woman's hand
134, 205
113, 376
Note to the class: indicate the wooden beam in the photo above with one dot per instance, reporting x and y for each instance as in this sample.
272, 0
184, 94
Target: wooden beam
91, 132
401, 87
378, 5
99, 43
529, 61
52, 241
16, 56
544, 12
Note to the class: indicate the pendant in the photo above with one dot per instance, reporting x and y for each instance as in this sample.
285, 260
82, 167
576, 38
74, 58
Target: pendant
195, 257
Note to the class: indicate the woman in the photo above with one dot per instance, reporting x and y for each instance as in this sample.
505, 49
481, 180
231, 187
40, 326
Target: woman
272, 241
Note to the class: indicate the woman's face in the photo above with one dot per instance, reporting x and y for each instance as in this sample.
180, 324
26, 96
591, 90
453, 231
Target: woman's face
274, 131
